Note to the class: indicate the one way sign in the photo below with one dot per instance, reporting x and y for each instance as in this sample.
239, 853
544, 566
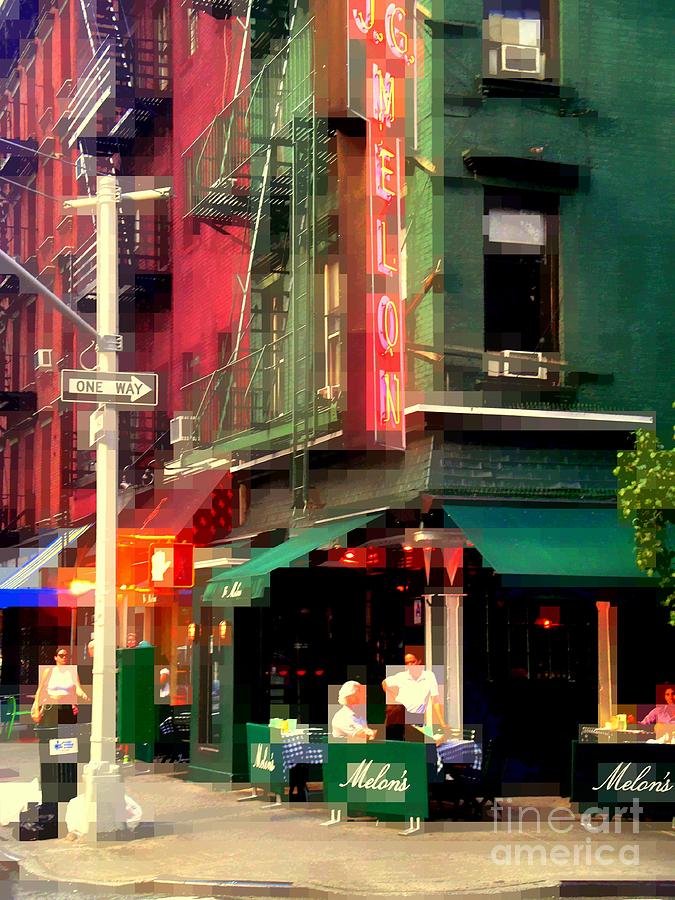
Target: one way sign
121, 388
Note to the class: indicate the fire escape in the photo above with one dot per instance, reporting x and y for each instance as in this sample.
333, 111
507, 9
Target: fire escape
122, 94
252, 174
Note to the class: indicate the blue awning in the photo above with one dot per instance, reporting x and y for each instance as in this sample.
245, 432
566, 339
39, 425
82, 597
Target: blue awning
21, 576
29, 597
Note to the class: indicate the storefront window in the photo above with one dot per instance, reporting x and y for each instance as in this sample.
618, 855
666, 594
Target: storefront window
210, 661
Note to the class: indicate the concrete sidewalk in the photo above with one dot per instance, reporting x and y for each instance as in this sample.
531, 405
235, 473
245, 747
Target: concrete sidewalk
194, 831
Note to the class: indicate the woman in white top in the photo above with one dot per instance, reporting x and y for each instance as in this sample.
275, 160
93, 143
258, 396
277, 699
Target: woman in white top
347, 721
55, 713
59, 686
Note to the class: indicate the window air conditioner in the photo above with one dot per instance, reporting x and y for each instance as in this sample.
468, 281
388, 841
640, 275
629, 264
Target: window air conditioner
522, 60
329, 392
43, 360
181, 429
85, 165
518, 364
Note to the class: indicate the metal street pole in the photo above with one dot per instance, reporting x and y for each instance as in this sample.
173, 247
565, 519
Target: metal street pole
104, 789
103, 786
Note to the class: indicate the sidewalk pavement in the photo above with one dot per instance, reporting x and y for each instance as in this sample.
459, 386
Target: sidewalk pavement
196, 831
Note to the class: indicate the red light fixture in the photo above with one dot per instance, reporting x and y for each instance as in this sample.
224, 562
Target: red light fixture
319, 672
283, 672
302, 672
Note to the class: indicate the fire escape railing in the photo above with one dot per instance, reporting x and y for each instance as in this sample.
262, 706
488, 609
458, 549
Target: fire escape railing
220, 159
143, 250
130, 75
251, 393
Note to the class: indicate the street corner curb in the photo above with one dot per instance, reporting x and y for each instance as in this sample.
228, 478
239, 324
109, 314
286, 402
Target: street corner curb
230, 888
616, 888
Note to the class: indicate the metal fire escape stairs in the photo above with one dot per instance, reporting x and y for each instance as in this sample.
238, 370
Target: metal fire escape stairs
108, 31
303, 255
259, 176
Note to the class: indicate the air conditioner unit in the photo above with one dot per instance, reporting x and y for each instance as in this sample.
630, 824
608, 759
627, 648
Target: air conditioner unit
43, 360
522, 60
85, 165
181, 429
518, 364
329, 392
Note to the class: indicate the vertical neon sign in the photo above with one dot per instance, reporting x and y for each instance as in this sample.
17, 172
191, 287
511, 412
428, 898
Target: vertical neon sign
383, 28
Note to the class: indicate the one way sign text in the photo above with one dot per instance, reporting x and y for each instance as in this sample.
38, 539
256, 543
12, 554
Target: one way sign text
121, 388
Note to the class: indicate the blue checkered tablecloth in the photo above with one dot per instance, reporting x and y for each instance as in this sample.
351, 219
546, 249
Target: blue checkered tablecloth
302, 749
460, 752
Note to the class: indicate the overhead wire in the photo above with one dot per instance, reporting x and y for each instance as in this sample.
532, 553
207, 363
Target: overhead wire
21, 146
33, 190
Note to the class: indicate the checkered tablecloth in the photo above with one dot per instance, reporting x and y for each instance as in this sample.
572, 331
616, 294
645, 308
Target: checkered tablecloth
300, 749
460, 752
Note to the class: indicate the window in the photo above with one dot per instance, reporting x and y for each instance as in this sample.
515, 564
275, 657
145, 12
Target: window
190, 367
332, 338
520, 39
210, 682
65, 47
162, 32
521, 271
193, 31
45, 471
276, 365
137, 231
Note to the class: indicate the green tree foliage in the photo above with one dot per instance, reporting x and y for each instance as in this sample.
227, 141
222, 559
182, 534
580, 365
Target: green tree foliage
647, 497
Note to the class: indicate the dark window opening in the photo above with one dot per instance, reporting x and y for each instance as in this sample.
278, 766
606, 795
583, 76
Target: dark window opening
521, 271
210, 682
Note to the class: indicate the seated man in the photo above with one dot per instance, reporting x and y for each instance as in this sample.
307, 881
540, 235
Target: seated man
349, 721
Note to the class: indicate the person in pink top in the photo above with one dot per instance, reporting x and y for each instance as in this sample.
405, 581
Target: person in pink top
664, 713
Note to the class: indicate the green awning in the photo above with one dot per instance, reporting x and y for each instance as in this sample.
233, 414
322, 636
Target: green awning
239, 586
591, 545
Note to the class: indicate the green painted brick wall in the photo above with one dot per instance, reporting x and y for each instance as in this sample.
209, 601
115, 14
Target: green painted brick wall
616, 263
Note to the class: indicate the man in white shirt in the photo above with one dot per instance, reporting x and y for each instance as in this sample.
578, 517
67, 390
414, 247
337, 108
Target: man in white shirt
348, 722
409, 694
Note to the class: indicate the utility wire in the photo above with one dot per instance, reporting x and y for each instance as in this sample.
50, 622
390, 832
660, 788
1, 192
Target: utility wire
34, 190
38, 152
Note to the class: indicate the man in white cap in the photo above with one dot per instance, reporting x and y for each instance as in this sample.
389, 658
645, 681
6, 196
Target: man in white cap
349, 721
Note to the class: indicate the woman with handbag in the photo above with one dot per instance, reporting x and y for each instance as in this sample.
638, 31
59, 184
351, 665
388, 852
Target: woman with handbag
54, 712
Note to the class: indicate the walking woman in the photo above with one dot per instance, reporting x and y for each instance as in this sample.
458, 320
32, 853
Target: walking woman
54, 712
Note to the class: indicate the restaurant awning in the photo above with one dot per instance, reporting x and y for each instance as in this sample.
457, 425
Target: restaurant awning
172, 505
574, 545
239, 586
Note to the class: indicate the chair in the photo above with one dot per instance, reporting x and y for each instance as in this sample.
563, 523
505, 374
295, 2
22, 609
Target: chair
471, 791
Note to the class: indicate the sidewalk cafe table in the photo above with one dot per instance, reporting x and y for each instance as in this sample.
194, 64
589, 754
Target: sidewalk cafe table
459, 752
612, 770
274, 754
386, 780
